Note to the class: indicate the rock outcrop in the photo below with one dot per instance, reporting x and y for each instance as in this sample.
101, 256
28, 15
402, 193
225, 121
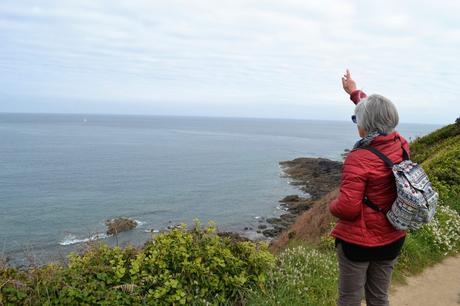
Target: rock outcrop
118, 225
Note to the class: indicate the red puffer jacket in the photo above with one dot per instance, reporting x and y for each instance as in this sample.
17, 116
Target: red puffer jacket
364, 174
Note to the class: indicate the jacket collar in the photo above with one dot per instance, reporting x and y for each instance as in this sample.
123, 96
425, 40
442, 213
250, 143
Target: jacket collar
385, 139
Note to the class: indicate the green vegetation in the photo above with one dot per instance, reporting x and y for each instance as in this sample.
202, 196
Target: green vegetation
439, 155
180, 267
303, 275
307, 275
198, 267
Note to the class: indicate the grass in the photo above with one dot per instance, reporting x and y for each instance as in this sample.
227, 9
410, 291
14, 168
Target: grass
303, 275
424, 147
453, 200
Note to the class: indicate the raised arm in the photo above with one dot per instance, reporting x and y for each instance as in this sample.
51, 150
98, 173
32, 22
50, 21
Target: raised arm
349, 85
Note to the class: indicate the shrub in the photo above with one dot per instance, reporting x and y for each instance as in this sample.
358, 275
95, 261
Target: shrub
444, 170
184, 267
178, 267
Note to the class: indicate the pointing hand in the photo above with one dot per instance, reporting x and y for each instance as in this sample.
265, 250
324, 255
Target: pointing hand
349, 85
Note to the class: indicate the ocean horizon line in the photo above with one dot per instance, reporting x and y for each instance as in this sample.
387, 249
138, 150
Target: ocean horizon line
195, 116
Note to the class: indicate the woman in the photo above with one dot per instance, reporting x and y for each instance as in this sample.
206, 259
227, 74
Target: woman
367, 244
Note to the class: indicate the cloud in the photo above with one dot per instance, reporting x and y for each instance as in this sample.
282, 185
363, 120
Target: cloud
203, 55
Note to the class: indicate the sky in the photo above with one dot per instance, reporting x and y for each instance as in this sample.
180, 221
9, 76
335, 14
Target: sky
265, 58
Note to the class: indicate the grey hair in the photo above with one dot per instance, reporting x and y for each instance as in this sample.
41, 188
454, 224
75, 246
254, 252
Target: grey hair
377, 113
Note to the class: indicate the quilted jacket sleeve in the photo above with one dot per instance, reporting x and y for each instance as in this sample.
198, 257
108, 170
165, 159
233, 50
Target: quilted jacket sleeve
347, 206
357, 95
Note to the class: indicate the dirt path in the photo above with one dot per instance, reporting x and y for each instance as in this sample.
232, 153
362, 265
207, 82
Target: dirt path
437, 285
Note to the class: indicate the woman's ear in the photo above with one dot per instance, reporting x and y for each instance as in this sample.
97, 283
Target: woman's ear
362, 132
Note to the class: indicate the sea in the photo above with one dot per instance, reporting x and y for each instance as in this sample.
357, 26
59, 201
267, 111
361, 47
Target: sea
63, 175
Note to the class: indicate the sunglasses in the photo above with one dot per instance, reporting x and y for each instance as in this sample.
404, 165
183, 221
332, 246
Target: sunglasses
353, 118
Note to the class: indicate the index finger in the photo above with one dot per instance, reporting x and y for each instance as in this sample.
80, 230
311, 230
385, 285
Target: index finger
348, 74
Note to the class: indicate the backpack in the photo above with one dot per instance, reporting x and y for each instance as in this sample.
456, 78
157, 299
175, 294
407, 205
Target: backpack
416, 200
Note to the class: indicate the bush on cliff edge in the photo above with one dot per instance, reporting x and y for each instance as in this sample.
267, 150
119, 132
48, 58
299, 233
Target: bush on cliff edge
195, 267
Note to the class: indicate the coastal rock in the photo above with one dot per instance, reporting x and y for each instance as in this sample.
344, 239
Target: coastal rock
271, 232
295, 205
288, 217
281, 227
311, 225
232, 236
173, 226
274, 221
317, 176
299, 207
345, 153
290, 198
118, 225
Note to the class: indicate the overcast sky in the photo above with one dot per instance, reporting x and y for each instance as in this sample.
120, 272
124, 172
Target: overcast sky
229, 58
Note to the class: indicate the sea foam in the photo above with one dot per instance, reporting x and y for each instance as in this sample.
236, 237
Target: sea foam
72, 239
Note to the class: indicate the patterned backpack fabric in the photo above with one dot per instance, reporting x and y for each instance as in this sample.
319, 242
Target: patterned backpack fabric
416, 200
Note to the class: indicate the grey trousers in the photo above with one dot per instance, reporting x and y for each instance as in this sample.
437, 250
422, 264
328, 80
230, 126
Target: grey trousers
370, 277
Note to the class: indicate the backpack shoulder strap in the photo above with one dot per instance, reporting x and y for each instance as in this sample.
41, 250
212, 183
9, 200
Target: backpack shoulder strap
389, 163
382, 156
372, 205
405, 154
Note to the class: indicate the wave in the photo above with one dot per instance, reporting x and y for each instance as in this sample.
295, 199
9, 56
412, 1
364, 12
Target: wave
151, 231
72, 239
139, 223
